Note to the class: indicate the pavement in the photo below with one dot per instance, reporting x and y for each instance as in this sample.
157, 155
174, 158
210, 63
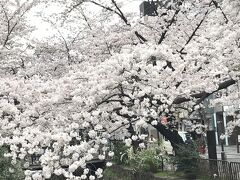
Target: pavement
230, 151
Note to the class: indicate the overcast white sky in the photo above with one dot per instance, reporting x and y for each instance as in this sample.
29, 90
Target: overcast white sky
44, 29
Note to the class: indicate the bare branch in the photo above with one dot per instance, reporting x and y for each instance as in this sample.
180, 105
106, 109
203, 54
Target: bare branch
121, 13
85, 18
150, 27
9, 19
195, 30
203, 95
123, 125
168, 26
64, 41
140, 37
105, 7
5, 12
216, 4
74, 6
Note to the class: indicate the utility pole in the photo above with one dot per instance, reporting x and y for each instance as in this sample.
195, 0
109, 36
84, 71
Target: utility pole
211, 142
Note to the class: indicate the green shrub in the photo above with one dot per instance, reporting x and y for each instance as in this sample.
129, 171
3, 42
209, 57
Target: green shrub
186, 159
120, 152
146, 160
5, 165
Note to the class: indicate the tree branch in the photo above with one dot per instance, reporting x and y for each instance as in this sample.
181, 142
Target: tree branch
105, 7
216, 4
168, 26
123, 125
203, 95
194, 32
171, 135
9, 28
121, 13
85, 18
140, 37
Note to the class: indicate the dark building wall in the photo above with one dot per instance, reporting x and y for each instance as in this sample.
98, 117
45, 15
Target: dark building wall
233, 138
149, 8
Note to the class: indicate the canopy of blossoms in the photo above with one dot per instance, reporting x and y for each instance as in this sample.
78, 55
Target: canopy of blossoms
136, 86
68, 117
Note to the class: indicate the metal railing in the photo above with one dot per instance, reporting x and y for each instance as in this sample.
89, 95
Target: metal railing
235, 170
35, 164
218, 169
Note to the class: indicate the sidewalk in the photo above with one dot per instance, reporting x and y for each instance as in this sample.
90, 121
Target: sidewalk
230, 151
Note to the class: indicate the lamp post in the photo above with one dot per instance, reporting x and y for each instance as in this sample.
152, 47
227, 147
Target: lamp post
223, 155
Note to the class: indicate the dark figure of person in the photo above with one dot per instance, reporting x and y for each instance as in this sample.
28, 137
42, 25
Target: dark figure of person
189, 140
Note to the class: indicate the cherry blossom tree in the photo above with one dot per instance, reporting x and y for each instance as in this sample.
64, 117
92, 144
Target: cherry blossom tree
14, 37
186, 29
154, 68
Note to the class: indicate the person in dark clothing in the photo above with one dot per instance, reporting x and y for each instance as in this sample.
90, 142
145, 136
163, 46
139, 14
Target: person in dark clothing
189, 140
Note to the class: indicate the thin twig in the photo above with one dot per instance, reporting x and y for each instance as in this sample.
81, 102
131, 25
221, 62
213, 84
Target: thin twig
194, 32
216, 4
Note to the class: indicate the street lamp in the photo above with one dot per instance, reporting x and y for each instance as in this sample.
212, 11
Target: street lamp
223, 155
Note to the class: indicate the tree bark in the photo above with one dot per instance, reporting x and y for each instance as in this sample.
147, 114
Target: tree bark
171, 135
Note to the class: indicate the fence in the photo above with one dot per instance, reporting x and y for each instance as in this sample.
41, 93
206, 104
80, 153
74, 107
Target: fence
222, 170
235, 170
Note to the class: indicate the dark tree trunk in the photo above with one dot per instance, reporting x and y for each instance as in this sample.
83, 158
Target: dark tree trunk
171, 135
